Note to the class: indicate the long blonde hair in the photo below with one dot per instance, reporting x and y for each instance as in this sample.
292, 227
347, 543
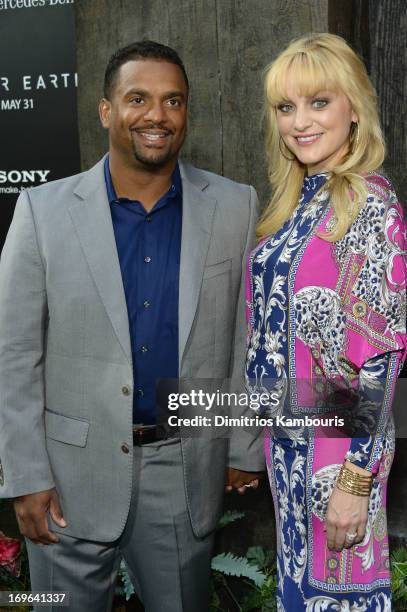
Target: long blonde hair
321, 62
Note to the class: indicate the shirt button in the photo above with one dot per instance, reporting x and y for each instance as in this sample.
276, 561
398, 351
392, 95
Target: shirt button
140, 392
147, 259
125, 449
125, 390
148, 218
144, 348
146, 304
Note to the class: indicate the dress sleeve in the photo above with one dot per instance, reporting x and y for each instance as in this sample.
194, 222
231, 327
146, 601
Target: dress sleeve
373, 289
375, 305
248, 294
377, 381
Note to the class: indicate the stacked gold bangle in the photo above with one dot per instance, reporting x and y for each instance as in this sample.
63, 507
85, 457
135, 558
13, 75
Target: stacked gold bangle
356, 484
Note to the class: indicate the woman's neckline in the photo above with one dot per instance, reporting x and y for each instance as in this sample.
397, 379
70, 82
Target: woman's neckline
312, 176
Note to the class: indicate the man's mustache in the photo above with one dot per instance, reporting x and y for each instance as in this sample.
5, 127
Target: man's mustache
146, 128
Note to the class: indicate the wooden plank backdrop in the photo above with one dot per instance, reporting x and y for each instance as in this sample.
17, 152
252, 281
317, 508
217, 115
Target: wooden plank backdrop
388, 49
377, 29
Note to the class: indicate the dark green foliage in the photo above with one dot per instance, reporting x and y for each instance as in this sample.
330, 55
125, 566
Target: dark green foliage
399, 578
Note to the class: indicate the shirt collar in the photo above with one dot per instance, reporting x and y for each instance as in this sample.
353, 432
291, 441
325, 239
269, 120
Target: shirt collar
174, 190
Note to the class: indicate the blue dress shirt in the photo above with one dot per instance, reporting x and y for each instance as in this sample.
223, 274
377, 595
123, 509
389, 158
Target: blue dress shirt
149, 248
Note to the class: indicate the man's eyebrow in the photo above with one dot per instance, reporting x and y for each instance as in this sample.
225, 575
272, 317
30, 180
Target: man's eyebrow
166, 95
174, 94
136, 92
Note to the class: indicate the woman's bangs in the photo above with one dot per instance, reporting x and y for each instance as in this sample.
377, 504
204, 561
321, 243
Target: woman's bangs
309, 74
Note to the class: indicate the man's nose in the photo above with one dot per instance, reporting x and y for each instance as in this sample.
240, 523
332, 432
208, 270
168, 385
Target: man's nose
155, 112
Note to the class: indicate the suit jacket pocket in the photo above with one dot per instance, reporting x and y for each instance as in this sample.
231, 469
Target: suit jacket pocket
66, 429
218, 268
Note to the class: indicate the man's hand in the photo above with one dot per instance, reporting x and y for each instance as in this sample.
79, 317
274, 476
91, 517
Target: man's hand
240, 480
31, 512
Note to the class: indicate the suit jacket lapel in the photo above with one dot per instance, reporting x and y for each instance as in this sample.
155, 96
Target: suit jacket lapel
93, 223
197, 219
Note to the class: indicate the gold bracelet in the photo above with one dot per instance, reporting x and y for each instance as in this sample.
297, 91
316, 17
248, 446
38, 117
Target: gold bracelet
356, 484
354, 480
346, 472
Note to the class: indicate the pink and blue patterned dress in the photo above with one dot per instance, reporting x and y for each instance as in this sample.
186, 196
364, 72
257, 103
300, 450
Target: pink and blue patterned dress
320, 311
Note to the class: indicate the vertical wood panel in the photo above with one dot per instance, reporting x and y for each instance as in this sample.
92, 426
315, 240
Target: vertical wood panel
377, 30
388, 34
350, 19
251, 34
319, 15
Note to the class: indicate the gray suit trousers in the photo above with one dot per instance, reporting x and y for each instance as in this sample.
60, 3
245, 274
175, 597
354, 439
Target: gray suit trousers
168, 564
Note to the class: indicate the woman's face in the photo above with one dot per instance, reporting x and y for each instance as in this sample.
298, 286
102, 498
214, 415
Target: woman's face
316, 128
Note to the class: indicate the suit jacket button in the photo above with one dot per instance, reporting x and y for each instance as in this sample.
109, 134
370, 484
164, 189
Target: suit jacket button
126, 390
125, 448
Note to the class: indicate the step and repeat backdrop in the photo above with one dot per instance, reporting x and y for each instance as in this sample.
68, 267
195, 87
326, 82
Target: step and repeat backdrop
38, 81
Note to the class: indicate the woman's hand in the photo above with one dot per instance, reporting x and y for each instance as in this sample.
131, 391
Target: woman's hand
346, 517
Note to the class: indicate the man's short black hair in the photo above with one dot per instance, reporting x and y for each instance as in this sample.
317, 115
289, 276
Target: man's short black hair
143, 49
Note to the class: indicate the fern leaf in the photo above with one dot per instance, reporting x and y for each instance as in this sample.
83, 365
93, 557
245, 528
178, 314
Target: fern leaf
231, 565
229, 517
399, 555
127, 584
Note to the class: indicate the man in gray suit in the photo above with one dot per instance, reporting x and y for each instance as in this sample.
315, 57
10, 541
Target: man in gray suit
111, 279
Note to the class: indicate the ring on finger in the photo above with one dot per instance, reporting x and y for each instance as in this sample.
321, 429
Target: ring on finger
351, 536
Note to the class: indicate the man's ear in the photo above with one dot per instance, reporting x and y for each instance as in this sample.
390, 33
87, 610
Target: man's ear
104, 112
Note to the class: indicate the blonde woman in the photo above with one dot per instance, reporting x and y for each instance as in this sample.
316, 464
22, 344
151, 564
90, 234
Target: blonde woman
326, 304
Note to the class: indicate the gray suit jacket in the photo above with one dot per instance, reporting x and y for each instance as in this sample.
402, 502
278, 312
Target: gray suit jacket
65, 353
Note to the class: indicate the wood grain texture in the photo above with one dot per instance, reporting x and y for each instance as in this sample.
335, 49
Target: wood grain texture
250, 36
376, 29
388, 35
319, 15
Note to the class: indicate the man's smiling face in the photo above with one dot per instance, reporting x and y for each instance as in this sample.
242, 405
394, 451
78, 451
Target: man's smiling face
147, 113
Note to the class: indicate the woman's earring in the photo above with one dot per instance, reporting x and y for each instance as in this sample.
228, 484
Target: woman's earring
282, 152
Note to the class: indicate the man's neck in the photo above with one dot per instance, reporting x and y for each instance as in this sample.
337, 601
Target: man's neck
142, 184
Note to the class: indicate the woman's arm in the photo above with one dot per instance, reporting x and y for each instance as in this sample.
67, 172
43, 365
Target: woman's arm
347, 513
